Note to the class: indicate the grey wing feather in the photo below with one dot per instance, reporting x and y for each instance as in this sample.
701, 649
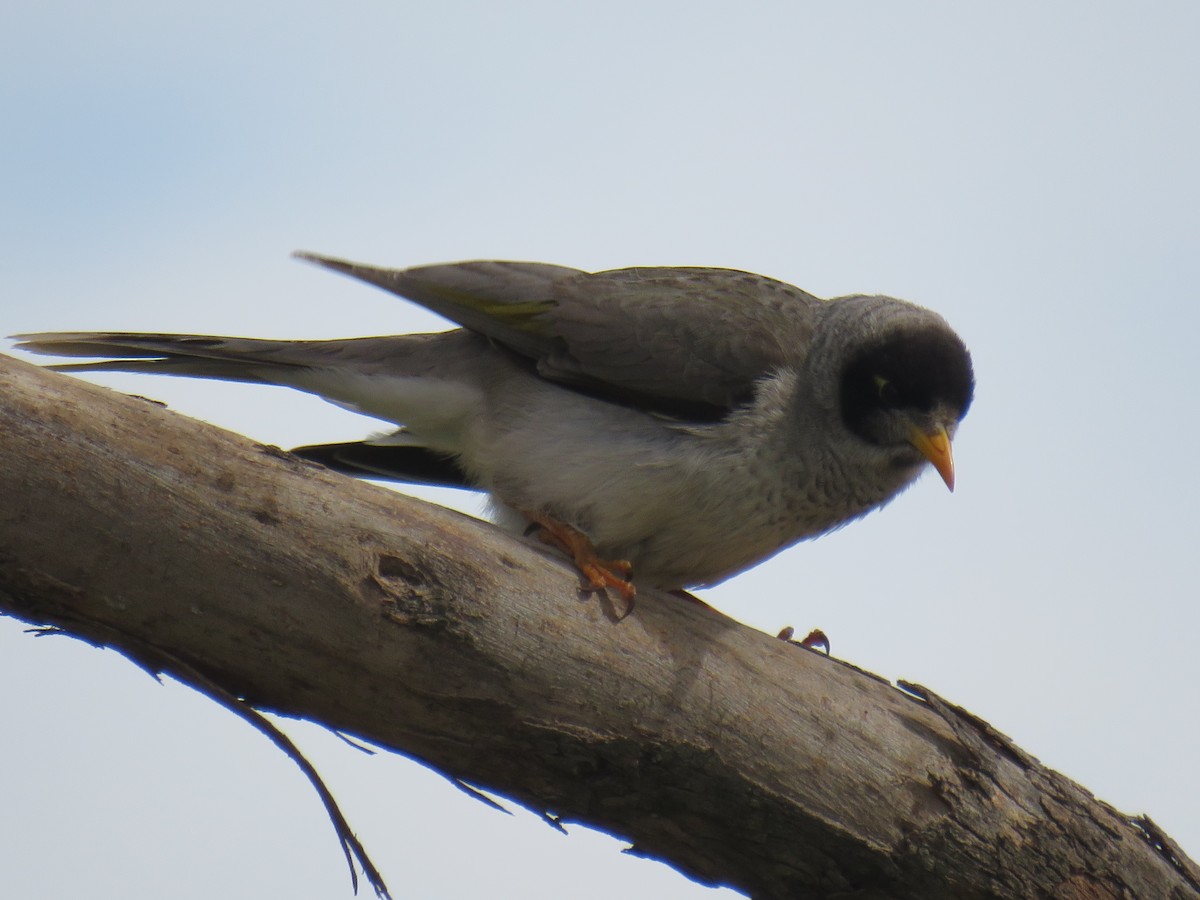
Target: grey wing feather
501, 300
696, 335
690, 340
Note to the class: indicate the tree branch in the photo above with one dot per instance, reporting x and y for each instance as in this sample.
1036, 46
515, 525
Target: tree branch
733, 756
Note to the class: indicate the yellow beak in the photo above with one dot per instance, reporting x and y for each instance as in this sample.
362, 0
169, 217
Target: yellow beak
936, 448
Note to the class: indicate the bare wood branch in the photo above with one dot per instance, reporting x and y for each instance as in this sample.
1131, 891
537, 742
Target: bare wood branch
733, 756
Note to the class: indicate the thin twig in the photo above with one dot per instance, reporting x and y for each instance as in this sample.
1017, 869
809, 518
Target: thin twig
155, 661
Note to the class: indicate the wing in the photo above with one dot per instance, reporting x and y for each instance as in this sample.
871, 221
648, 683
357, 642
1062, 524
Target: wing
685, 341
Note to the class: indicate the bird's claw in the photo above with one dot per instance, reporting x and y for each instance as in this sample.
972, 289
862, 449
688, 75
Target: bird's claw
815, 640
599, 574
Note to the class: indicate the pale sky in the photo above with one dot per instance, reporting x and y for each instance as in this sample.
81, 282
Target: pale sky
1028, 170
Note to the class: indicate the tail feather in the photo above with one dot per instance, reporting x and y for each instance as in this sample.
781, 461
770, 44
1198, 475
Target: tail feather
212, 356
195, 355
429, 382
415, 465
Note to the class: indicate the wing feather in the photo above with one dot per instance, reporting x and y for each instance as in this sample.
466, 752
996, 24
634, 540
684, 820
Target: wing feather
690, 341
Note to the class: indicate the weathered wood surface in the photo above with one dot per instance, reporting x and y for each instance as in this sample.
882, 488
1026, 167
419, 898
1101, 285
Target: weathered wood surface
737, 758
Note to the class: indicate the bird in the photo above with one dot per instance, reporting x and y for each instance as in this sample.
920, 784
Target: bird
665, 427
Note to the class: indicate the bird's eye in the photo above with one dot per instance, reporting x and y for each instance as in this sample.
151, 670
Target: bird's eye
889, 394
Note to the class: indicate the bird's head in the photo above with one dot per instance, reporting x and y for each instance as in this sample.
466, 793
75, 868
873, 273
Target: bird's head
905, 388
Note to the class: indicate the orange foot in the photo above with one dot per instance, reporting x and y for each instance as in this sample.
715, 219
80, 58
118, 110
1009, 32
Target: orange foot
816, 639
600, 573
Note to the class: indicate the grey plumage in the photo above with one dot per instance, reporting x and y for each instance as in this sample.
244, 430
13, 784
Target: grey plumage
692, 421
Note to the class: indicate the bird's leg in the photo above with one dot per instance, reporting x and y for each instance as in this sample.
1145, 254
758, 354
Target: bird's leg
600, 573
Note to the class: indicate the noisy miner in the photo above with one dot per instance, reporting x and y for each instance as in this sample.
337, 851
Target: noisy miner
666, 427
